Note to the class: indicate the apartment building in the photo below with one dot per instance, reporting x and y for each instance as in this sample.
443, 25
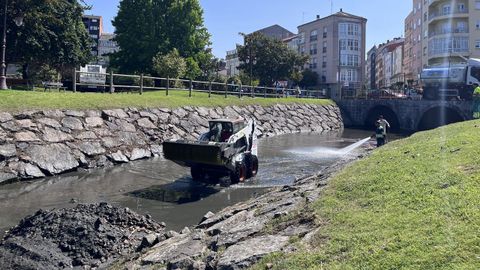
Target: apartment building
389, 63
336, 46
232, 62
370, 68
106, 46
413, 47
94, 27
451, 31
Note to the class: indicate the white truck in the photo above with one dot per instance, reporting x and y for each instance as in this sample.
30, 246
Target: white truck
92, 77
451, 82
229, 149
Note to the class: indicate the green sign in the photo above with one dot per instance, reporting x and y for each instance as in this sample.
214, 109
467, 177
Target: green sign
476, 107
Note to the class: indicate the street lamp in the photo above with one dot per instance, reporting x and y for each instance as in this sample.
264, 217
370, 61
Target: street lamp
19, 22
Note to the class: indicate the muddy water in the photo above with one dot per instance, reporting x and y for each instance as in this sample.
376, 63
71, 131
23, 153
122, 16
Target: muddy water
165, 190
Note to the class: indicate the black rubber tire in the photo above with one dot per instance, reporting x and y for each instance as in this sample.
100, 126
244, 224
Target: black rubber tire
197, 173
239, 174
251, 162
225, 181
253, 170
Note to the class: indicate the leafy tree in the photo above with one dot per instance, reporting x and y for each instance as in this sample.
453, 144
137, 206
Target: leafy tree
268, 59
171, 65
148, 28
309, 78
52, 34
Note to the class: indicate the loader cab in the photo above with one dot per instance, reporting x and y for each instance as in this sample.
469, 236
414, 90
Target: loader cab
220, 130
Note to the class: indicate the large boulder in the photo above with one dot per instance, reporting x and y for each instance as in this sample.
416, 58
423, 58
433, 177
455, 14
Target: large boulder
54, 158
117, 113
93, 122
49, 122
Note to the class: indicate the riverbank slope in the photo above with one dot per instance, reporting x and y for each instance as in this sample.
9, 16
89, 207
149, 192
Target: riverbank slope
412, 204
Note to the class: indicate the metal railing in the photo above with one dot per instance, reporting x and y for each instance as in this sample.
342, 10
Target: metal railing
117, 83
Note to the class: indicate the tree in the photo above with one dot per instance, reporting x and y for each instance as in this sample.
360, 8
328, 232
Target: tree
171, 65
148, 28
268, 59
309, 78
52, 34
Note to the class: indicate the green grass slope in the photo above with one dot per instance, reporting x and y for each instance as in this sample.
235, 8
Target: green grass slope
413, 204
11, 100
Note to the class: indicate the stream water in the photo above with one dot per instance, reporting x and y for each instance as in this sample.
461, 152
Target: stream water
165, 190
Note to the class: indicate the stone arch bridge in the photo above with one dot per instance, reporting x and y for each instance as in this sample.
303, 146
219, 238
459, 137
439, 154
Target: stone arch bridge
406, 115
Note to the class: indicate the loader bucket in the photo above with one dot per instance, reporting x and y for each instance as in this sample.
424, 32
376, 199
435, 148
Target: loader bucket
188, 153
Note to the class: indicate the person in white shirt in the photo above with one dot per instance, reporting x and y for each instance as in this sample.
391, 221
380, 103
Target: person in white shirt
384, 123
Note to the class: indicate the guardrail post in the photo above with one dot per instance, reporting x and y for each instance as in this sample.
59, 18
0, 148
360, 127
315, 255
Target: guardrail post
190, 88
240, 91
168, 86
253, 91
226, 89
265, 92
209, 89
141, 83
112, 89
74, 79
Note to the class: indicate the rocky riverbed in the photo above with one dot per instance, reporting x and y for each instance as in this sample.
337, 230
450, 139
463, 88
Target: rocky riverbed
102, 236
36, 144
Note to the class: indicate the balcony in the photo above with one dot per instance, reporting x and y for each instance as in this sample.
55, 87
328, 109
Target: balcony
448, 32
447, 52
447, 15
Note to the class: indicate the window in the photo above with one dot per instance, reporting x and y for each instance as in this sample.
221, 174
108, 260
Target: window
313, 63
301, 39
446, 10
325, 29
477, 4
461, 7
477, 44
313, 49
94, 20
477, 25
324, 47
425, 16
313, 35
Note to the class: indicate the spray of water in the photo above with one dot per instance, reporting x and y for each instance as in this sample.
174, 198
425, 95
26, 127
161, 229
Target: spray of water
323, 152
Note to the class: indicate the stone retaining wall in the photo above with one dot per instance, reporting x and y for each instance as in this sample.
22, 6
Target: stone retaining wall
36, 144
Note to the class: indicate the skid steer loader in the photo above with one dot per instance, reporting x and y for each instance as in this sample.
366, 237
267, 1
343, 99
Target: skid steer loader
229, 149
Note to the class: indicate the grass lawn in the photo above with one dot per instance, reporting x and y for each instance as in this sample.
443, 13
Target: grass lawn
11, 100
413, 204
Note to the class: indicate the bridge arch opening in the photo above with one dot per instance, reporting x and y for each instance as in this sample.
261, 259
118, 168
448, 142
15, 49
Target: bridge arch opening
439, 116
387, 113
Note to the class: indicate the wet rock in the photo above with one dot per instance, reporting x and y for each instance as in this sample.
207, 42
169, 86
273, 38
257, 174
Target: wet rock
117, 113
5, 117
118, 157
156, 150
185, 230
91, 148
53, 135
7, 150
72, 123
248, 252
145, 123
54, 158
49, 122
139, 153
91, 122
5, 177
26, 136
32, 171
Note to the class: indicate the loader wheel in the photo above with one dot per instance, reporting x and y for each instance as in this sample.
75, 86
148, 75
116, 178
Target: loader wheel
252, 166
197, 173
239, 174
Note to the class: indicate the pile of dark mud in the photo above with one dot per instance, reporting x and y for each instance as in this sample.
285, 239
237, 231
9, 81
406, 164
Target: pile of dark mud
86, 236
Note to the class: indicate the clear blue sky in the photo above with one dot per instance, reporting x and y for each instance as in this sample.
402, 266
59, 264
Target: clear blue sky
226, 18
